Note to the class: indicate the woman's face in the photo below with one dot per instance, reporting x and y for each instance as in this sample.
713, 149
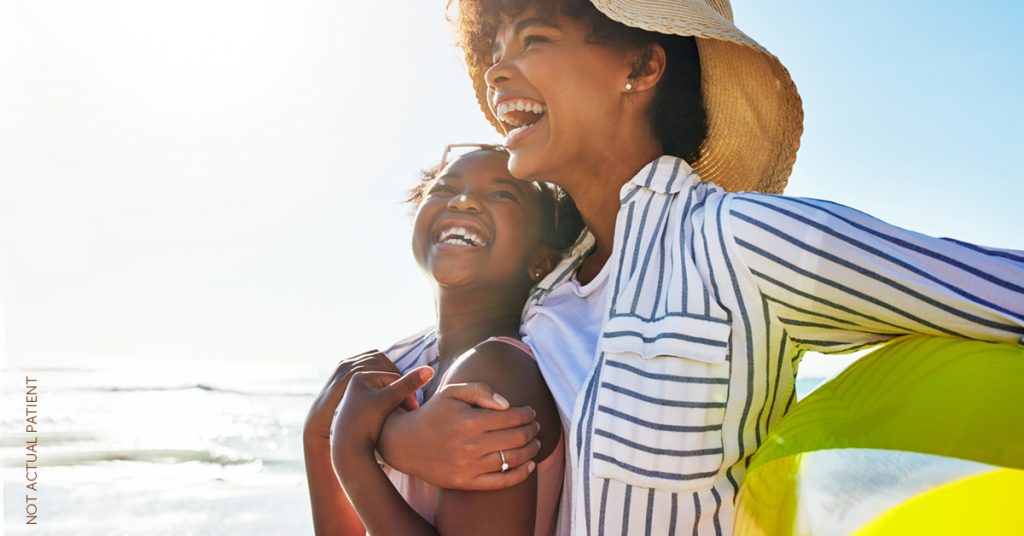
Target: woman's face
478, 225
558, 97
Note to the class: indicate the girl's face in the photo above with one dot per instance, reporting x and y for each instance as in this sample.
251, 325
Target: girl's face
479, 225
559, 97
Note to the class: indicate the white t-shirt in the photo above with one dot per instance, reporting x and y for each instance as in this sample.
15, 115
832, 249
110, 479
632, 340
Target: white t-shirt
563, 334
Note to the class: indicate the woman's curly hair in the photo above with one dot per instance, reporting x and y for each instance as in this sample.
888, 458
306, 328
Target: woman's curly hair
677, 115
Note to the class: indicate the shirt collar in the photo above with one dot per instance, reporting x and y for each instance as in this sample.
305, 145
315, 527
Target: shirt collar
665, 174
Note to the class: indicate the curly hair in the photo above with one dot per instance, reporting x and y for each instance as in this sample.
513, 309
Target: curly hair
561, 222
677, 115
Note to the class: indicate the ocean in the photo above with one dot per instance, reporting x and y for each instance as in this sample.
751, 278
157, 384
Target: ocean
153, 448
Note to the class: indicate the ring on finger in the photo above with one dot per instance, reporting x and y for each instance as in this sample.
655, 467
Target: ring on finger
504, 464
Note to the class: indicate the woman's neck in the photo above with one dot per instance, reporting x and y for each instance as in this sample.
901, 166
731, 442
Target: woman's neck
466, 317
594, 184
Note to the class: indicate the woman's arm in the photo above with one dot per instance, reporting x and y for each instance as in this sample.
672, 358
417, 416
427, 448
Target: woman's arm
837, 278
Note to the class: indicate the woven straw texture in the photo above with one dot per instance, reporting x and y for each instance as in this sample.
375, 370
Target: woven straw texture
755, 117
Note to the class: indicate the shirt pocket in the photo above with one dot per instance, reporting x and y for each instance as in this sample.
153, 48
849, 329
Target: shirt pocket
660, 401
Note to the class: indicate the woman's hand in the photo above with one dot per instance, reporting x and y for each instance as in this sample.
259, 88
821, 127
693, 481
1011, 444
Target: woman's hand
454, 439
318, 421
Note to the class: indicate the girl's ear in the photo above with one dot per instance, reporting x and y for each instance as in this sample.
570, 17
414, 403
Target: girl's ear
543, 263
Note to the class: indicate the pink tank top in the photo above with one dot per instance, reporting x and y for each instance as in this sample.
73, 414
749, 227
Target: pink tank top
422, 496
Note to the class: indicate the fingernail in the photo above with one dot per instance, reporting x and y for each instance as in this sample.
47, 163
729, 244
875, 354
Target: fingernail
537, 441
500, 400
426, 373
530, 466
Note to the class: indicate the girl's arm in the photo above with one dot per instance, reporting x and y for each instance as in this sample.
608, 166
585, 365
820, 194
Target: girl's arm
332, 512
368, 399
507, 511
838, 278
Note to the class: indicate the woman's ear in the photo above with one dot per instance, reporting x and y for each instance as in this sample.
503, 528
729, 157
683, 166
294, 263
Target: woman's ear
543, 263
648, 68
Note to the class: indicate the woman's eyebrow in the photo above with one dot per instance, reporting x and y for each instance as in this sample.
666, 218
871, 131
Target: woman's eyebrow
524, 25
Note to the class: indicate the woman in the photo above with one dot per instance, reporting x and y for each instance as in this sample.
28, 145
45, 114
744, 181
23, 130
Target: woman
669, 337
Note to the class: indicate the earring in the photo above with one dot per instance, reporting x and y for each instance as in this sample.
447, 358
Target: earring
629, 86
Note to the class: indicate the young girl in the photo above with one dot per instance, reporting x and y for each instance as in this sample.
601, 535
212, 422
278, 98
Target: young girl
485, 239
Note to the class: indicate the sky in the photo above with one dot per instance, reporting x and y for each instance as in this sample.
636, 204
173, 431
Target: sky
223, 180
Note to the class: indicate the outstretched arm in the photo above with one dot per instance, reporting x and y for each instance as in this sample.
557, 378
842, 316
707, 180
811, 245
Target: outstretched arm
838, 278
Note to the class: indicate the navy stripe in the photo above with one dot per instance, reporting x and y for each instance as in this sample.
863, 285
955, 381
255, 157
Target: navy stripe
675, 173
662, 259
588, 415
604, 506
426, 341
718, 511
673, 514
707, 258
625, 510
653, 450
823, 301
650, 250
890, 282
412, 363
622, 253
633, 192
823, 344
666, 335
927, 252
845, 289
683, 268
748, 339
778, 376
650, 512
650, 176
665, 377
806, 324
654, 474
657, 426
678, 314
661, 401
640, 236
696, 514
767, 375
808, 311
1011, 255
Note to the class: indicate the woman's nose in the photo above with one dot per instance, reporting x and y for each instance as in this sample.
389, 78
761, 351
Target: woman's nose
464, 203
496, 74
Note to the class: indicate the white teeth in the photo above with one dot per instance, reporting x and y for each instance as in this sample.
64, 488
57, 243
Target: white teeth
460, 236
518, 105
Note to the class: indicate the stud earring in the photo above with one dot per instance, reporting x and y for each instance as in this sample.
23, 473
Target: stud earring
629, 86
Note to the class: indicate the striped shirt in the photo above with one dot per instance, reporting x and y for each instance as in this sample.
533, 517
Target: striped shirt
713, 299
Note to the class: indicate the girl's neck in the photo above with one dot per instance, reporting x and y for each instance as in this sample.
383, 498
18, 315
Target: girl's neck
467, 317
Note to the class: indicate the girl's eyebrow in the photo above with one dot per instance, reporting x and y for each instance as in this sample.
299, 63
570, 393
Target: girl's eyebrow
517, 184
524, 25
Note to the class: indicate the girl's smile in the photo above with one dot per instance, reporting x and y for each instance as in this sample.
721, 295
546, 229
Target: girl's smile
477, 224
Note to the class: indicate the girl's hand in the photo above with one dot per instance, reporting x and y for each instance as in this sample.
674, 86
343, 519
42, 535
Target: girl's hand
368, 400
317, 429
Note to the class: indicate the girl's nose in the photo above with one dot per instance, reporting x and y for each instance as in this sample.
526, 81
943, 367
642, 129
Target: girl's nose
464, 203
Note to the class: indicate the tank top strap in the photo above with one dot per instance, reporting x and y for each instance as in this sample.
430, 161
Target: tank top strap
514, 342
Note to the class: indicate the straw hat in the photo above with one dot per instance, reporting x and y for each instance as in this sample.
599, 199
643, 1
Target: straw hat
754, 112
